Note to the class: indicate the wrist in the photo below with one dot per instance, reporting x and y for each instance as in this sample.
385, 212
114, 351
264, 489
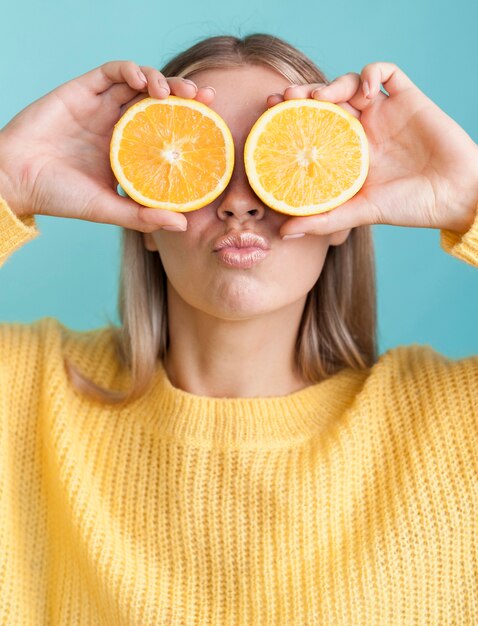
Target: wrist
8, 189
461, 217
463, 224
6, 193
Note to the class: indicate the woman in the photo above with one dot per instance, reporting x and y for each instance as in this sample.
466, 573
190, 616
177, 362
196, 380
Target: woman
236, 453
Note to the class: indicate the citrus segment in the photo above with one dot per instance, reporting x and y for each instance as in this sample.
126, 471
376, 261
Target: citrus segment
175, 153
306, 156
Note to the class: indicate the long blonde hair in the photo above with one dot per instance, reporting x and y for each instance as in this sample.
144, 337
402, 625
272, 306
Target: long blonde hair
338, 326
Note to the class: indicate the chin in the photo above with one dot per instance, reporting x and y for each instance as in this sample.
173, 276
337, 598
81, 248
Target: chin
238, 304
235, 298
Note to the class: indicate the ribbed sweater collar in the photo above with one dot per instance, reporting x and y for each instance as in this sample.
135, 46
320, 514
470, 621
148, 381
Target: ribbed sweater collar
252, 422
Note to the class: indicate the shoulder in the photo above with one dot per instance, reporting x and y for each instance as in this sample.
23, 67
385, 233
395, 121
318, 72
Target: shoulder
51, 332
40, 348
417, 379
419, 365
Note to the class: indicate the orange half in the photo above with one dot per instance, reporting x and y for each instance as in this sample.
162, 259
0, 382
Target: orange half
306, 156
175, 153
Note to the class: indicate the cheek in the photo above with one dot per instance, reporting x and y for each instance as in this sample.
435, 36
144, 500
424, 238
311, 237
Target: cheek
185, 255
300, 264
178, 255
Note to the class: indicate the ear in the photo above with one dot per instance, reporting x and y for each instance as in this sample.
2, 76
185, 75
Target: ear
338, 238
149, 242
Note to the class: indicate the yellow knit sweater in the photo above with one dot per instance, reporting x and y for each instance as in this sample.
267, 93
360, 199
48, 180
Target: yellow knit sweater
352, 502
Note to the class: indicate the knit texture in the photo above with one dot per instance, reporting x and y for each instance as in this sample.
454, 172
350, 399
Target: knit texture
353, 501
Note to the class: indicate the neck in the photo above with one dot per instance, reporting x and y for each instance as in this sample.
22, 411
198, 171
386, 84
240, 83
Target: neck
214, 357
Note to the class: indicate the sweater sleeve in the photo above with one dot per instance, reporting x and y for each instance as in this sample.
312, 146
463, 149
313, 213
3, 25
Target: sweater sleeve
464, 247
14, 231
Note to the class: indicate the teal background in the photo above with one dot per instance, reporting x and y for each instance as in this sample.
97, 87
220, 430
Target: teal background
71, 271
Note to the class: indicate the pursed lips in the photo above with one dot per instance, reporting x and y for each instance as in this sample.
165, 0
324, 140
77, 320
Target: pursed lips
241, 250
243, 239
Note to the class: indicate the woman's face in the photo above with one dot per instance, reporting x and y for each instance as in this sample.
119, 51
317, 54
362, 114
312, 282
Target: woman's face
227, 284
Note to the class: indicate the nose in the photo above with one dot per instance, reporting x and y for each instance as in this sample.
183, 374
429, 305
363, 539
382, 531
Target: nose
240, 202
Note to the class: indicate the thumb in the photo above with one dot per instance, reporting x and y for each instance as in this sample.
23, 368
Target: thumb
110, 208
354, 212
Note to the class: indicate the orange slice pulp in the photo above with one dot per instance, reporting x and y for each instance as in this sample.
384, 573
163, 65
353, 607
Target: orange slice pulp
306, 156
175, 153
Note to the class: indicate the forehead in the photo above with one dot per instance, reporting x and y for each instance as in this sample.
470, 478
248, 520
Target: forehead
241, 93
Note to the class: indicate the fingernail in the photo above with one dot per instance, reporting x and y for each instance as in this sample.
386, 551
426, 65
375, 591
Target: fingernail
293, 236
366, 89
174, 228
142, 77
163, 91
189, 82
316, 92
211, 88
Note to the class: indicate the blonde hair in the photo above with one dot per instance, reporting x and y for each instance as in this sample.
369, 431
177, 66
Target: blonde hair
338, 326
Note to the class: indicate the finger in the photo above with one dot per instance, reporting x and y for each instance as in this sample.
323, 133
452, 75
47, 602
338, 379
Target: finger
354, 212
306, 91
373, 76
105, 76
390, 75
341, 89
121, 94
187, 88
274, 99
109, 208
140, 78
177, 86
300, 91
182, 87
206, 94
347, 88
157, 84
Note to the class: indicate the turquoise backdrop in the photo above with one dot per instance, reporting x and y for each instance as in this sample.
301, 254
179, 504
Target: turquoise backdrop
71, 270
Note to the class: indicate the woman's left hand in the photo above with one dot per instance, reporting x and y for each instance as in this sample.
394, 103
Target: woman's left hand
423, 166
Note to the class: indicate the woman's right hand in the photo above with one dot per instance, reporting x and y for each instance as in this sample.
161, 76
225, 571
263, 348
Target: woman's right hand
54, 155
